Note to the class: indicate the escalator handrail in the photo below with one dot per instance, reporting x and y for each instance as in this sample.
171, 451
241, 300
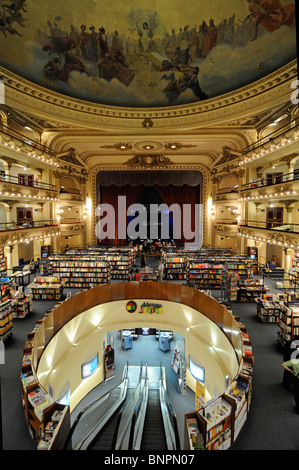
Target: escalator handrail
136, 413
171, 412
124, 406
102, 398
172, 416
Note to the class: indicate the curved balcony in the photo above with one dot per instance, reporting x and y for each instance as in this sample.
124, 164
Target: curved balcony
279, 143
70, 195
226, 227
227, 194
11, 233
282, 186
69, 226
15, 142
284, 235
14, 187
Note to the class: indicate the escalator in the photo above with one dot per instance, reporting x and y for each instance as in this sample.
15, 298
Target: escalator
135, 415
153, 437
94, 426
104, 439
154, 425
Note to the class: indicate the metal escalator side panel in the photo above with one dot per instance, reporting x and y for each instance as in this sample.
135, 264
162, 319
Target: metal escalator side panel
169, 420
122, 440
79, 427
140, 416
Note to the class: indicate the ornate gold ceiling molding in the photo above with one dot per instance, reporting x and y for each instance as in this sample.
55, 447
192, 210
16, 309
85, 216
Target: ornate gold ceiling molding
273, 89
148, 161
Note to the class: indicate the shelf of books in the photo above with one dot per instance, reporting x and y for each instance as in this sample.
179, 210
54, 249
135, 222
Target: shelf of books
206, 272
21, 305
174, 267
46, 288
48, 421
121, 260
81, 271
204, 275
288, 326
249, 290
230, 285
216, 423
2, 263
268, 307
6, 319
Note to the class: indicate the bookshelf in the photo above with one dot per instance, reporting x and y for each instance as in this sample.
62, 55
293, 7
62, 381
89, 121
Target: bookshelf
269, 307
230, 285
45, 268
121, 260
174, 267
80, 271
46, 288
206, 271
216, 419
240, 392
251, 289
204, 274
21, 305
6, 319
2, 263
194, 439
288, 326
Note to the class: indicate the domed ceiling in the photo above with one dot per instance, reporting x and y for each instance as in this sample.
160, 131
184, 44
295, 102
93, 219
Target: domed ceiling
146, 53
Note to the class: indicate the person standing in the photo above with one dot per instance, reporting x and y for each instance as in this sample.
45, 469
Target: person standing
161, 271
142, 259
292, 366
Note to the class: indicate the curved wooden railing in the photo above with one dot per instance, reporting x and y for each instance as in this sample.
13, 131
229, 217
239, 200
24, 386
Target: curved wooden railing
78, 303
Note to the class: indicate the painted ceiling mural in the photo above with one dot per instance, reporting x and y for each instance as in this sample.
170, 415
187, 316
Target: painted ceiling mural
146, 53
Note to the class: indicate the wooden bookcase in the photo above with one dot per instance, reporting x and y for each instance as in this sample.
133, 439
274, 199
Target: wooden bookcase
6, 319
288, 329
81, 271
46, 288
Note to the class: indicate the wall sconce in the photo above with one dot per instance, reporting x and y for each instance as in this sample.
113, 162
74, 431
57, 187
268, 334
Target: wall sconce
213, 212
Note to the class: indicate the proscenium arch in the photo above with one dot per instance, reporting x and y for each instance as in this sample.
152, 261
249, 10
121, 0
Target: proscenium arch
201, 169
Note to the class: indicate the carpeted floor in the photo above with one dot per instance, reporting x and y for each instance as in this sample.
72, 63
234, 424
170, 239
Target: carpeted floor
272, 423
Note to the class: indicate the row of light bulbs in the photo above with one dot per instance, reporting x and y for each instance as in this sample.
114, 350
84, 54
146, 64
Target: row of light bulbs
31, 154
29, 196
270, 196
27, 240
266, 152
272, 242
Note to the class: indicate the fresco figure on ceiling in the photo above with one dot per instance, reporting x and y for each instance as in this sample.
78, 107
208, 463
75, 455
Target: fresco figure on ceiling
187, 80
103, 43
145, 42
93, 37
11, 14
85, 43
271, 14
210, 38
59, 67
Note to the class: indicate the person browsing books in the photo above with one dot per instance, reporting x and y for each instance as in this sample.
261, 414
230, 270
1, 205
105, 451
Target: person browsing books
292, 366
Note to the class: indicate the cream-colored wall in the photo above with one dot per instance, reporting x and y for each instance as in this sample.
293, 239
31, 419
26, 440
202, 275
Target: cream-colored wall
62, 356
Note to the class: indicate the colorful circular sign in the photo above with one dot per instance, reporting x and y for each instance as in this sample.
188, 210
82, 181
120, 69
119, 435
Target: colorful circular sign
131, 306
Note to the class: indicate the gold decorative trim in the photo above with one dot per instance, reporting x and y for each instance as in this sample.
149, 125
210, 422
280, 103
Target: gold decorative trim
148, 161
24, 94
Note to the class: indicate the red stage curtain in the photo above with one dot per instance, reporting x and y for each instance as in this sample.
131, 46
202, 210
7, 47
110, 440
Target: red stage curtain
170, 194
181, 195
109, 195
